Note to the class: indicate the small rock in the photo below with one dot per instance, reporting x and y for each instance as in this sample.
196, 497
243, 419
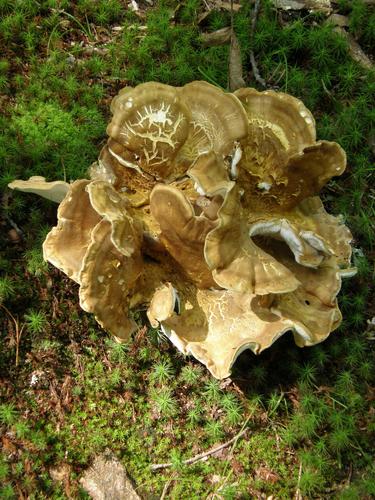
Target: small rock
106, 479
70, 59
134, 6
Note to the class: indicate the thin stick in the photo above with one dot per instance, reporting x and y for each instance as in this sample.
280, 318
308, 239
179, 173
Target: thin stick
298, 496
165, 489
226, 478
231, 38
18, 331
254, 66
15, 227
200, 456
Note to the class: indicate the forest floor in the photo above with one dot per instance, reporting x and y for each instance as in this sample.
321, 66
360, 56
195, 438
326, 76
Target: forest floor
68, 392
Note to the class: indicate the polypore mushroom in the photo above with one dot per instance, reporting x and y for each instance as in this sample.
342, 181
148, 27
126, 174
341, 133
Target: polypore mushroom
203, 207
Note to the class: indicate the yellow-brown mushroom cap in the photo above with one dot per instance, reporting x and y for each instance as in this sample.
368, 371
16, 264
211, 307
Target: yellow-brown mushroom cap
152, 122
162, 304
217, 121
280, 116
236, 262
125, 233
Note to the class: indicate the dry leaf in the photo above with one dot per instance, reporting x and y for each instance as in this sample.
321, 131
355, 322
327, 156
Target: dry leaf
61, 472
219, 4
219, 37
236, 80
355, 50
265, 474
311, 5
8, 446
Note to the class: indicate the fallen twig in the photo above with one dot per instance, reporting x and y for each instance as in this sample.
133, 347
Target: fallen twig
18, 331
235, 440
254, 66
201, 456
298, 495
15, 227
165, 489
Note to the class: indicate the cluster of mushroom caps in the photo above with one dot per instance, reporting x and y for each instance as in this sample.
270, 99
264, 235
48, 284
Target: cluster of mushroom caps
203, 208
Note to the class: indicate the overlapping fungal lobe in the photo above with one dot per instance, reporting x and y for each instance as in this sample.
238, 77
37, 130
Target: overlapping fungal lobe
218, 326
217, 121
66, 244
203, 206
282, 164
235, 261
107, 277
54, 191
183, 233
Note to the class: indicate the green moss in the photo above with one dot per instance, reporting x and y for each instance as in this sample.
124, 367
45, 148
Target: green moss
308, 408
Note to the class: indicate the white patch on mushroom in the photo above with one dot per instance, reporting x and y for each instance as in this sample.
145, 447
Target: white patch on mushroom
281, 228
102, 172
174, 338
159, 117
125, 163
199, 189
100, 279
235, 160
315, 241
302, 332
264, 186
176, 301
